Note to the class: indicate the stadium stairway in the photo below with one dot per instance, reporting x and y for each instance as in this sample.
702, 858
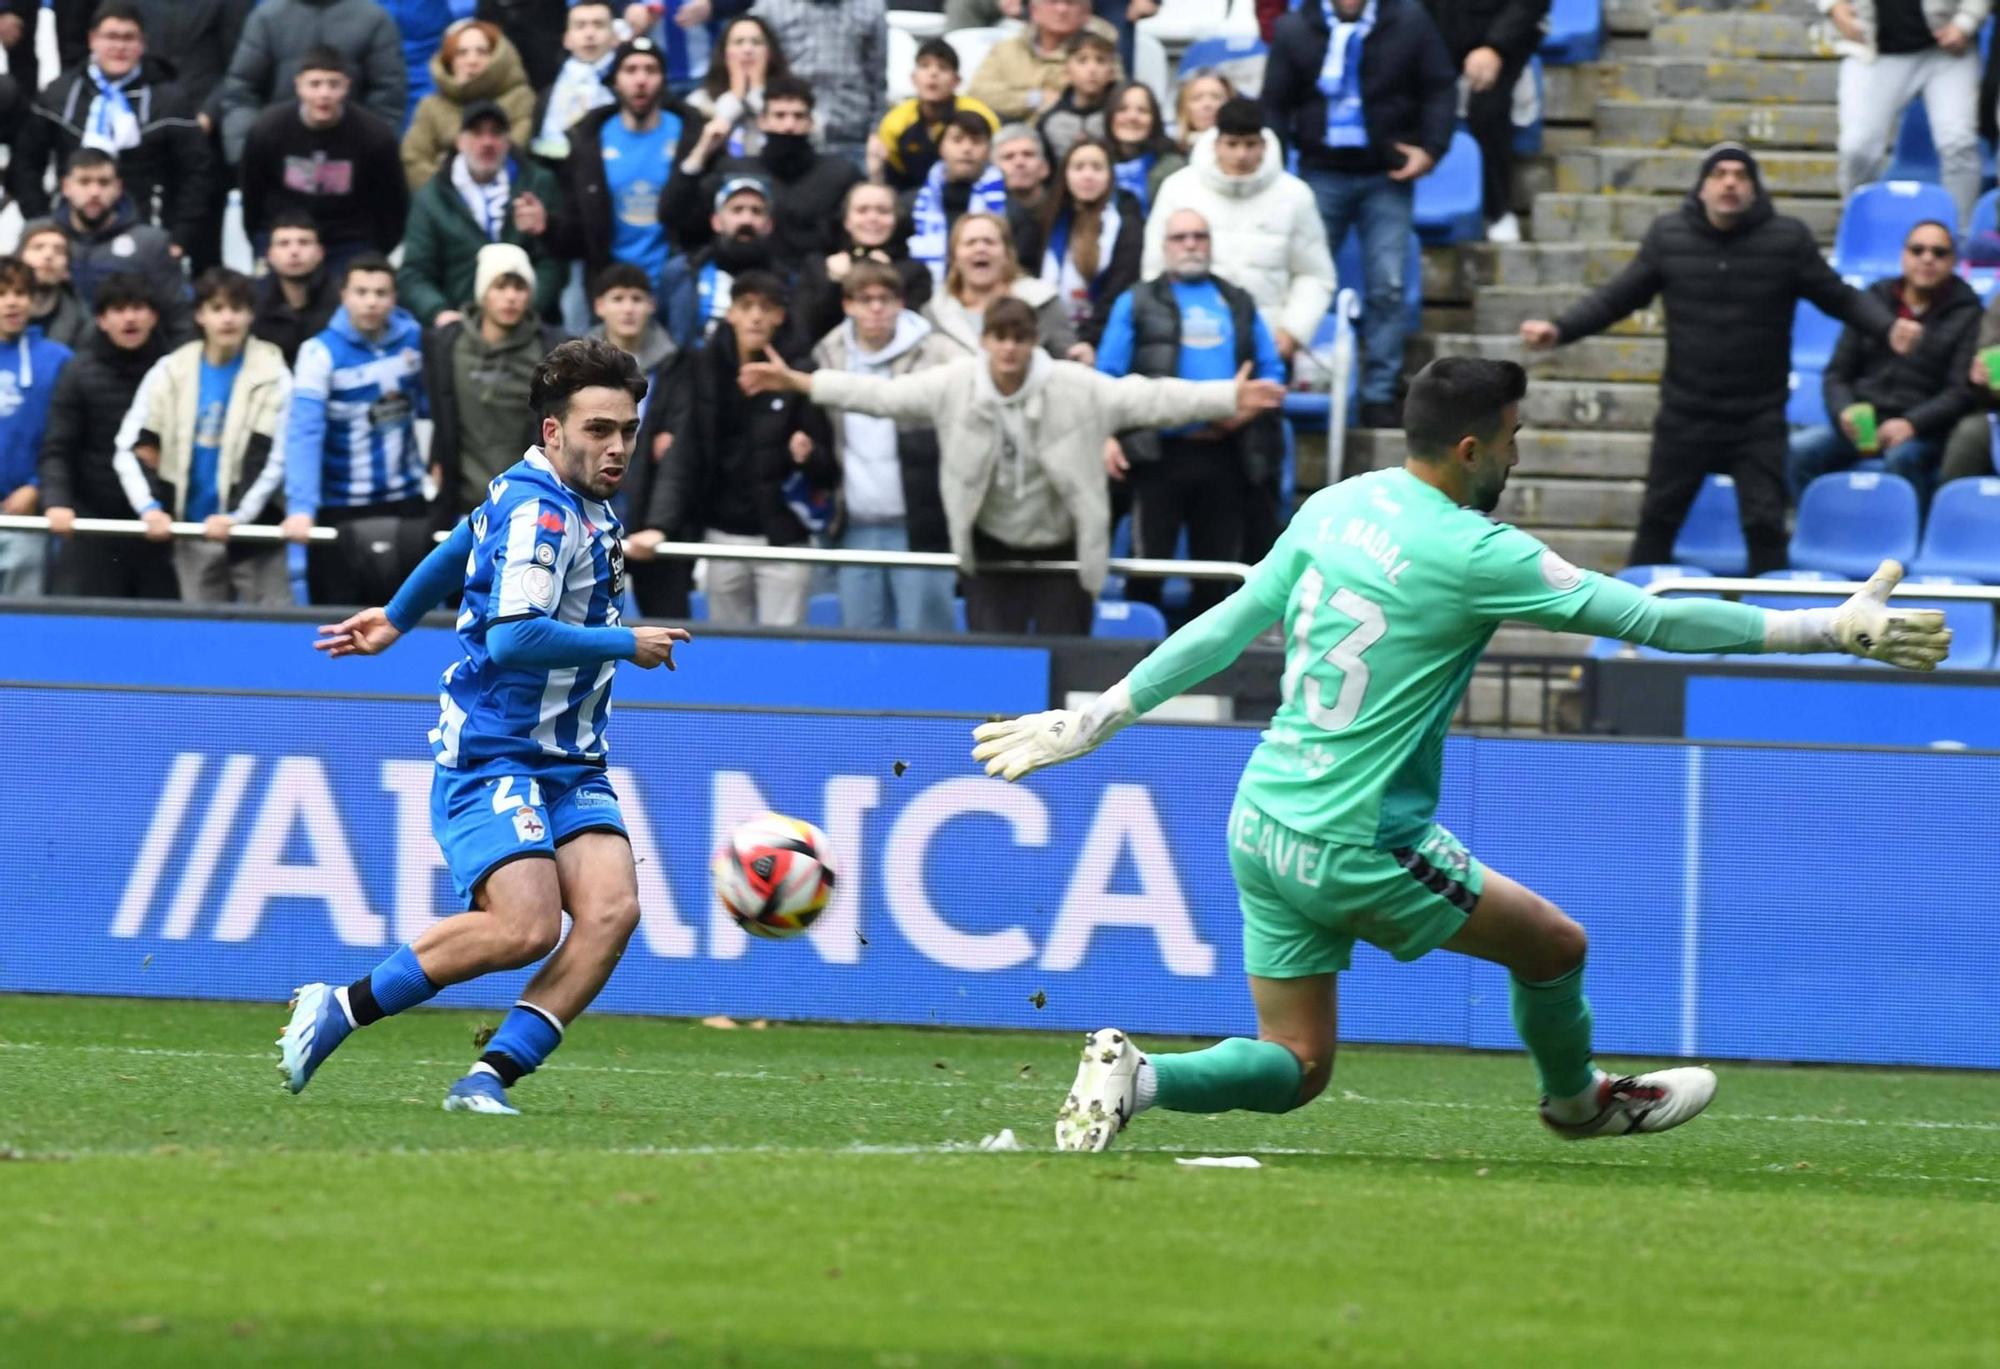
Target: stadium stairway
1623, 136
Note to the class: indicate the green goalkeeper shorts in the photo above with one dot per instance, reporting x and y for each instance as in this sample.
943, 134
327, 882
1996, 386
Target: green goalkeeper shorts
1306, 901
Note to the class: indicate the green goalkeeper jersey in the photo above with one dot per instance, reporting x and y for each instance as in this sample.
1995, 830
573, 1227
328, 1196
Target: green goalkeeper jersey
1389, 592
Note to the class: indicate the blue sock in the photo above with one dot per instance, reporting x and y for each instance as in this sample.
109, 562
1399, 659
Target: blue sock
396, 984
526, 1038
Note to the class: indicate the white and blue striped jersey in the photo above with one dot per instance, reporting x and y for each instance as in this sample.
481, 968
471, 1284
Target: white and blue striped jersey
540, 549
351, 440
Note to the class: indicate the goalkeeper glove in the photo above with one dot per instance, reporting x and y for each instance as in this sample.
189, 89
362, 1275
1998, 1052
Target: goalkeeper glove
1014, 747
1868, 626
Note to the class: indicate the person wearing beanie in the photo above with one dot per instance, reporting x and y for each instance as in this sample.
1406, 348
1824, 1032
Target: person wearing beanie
485, 193
1729, 271
477, 370
619, 158
695, 288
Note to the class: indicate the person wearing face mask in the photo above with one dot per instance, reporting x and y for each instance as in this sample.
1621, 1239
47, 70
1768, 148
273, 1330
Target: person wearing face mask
868, 232
203, 442
807, 186
695, 287
724, 477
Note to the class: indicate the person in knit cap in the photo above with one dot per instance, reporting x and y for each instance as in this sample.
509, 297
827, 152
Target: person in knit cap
1729, 271
477, 373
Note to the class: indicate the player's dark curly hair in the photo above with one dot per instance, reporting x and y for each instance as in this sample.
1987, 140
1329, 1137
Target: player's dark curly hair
579, 364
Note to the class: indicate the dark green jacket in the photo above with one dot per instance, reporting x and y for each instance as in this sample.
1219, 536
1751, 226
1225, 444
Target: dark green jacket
441, 246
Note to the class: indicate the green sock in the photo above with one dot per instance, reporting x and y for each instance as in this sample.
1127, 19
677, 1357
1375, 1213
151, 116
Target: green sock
1261, 1076
1554, 1022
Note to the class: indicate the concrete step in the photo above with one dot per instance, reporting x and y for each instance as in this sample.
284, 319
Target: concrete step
1535, 501
1674, 170
1570, 94
1595, 410
1739, 34
1501, 309
1790, 9
1544, 452
1685, 78
1703, 123
1634, 359
1538, 264
1631, 16
1624, 47
1625, 218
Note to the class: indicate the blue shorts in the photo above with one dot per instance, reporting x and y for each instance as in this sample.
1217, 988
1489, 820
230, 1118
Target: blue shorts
505, 811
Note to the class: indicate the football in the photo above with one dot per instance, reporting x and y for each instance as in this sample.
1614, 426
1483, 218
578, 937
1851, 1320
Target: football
774, 875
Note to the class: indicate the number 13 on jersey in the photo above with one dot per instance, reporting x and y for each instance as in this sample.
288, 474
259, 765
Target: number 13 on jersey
1309, 675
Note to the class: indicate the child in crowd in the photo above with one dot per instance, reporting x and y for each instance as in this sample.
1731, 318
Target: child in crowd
905, 146
1084, 106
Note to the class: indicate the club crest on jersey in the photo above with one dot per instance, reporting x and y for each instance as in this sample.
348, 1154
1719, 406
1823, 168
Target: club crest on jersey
528, 824
539, 584
1558, 574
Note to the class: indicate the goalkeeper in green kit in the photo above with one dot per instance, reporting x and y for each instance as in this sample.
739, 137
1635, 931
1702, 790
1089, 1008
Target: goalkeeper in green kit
1389, 586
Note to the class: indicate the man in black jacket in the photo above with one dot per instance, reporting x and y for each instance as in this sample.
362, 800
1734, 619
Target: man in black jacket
78, 480
1490, 41
1918, 398
297, 298
807, 186
197, 38
728, 474
128, 103
619, 159
1363, 148
1730, 272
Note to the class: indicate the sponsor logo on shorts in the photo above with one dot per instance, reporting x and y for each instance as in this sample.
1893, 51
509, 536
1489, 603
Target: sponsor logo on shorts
588, 799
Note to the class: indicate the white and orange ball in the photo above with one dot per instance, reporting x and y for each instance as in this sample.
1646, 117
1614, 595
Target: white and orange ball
774, 875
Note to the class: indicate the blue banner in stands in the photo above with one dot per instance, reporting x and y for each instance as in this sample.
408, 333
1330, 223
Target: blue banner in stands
1742, 901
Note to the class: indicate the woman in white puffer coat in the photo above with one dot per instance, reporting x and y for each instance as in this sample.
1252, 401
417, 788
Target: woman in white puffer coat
1266, 235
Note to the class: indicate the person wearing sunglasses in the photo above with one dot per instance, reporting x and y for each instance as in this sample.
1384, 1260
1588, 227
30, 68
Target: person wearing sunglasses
1912, 402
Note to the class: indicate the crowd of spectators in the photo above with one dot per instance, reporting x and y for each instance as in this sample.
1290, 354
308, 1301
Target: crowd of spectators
435, 191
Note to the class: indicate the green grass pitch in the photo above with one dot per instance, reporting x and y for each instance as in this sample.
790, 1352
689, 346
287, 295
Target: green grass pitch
682, 1195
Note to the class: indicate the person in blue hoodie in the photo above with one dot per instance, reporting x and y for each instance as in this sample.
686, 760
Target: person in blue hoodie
352, 461
421, 23
29, 365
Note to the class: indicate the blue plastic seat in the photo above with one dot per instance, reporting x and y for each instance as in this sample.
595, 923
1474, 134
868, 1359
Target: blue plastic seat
823, 610
1850, 520
1448, 200
1220, 53
1528, 136
1142, 621
1576, 32
1962, 537
1869, 242
697, 606
1916, 156
1813, 337
1642, 576
1805, 407
1972, 636
1985, 214
1712, 534
958, 615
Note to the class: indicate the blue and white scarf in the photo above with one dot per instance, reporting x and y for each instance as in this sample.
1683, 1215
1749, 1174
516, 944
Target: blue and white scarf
1079, 296
1133, 176
1340, 76
487, 203
579, 88
713, 289
112, 125
929, 233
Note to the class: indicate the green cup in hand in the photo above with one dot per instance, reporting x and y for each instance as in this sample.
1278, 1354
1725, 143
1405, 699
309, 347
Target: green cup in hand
1861, 418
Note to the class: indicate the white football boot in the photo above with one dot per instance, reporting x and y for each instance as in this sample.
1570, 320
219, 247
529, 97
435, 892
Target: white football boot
1101, 1100
1659, 1101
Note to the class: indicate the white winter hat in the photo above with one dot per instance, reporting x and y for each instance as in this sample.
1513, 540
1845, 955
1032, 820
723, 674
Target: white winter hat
498, 259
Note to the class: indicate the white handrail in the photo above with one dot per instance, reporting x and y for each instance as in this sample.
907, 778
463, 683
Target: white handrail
1143, 567
1725, 584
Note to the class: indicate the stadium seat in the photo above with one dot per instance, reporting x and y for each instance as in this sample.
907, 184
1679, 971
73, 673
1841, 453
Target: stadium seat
1180, 22
1530, 108
1849, 521
1972, 636
1985, 215
958, 615
823, 610
1806, 405
1448, 199
1575, 32
972, 45
1813, 337
1643, 576
902, 60
697, 606
1712, 534
1869, 242
1962, 536
1150, 67
1129, 620
1915, 157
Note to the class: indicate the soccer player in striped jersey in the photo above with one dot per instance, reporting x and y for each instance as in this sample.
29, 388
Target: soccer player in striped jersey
1389, 586
528, 823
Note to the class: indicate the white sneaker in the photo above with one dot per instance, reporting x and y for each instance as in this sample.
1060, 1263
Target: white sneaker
1100, 1102
1659, 1101
1506, 228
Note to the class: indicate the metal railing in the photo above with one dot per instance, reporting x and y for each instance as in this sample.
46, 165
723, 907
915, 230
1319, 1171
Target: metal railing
1729, 586
1130, 566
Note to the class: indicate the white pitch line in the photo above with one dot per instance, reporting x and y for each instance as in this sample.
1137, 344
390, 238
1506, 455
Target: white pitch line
1346, 1096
